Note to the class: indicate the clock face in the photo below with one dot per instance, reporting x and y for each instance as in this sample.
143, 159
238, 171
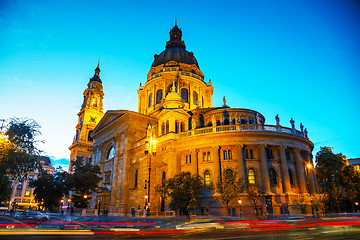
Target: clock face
92, 119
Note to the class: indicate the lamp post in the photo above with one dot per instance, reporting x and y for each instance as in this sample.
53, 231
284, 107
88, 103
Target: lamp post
68, 207
356, 204
150, 149
239, 201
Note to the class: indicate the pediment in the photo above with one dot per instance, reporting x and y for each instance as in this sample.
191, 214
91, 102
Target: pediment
109, 117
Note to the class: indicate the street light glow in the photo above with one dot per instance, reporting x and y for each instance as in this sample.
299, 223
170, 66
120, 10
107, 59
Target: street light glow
85, 196
309, 166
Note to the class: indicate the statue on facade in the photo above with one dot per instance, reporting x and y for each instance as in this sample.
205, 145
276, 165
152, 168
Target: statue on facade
258, 120
193, 124
306, 132
292, 122
301, 127
224, 100
213, 120
277, 120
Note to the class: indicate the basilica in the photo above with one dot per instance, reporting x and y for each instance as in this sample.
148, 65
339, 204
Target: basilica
177, 129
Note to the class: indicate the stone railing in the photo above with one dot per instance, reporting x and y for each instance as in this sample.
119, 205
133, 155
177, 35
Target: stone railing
242, 128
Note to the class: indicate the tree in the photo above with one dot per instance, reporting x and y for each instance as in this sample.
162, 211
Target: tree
351, 183
83, 181
255, 193
315, 200
18, 151
50, 189
329, 171
184, 190
229, 186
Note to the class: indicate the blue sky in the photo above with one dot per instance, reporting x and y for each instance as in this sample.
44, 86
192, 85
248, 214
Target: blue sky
298, 59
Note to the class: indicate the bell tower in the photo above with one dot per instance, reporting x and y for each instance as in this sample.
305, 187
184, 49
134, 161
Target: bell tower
90, 114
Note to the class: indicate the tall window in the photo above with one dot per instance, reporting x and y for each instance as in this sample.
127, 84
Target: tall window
229, 154
185, 95
195, 97
287, 155
208, 157
159, 94
251, 154
111, 153
176, 126
90, 139
163, 178
150, 100
167, 126
272, 177
207, 178
269, 153
136, 178
182, 127
162, 128
291, 177
204, 157
251, 176
225, 153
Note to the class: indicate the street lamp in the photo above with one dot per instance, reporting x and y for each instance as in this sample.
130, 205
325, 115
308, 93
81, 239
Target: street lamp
68, 208
150, 149
239, 201
309, 166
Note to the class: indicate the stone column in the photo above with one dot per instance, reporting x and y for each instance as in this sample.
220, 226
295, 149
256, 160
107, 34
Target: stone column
284, 170
239, 154
216, 161
194, 162
300, 170
264, 170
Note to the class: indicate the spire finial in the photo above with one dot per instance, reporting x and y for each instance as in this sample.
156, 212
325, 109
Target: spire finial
175, 21
98, 64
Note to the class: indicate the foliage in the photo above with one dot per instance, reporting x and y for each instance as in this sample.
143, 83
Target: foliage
5, 187
336, 177
49, 188
229, 186
184, 191
315, 200
83, 181
18, 152
18, 148
255, 192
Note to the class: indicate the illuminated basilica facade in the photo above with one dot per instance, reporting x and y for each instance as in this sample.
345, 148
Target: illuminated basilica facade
178, 129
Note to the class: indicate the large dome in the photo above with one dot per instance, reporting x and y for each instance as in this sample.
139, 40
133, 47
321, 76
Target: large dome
177, 54
175, 50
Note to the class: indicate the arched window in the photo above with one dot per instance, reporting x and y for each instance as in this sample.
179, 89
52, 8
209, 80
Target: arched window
243, 121
163, 178
182, 127
251, 121
90, 139
226, 121
111, 153
207, 178
159, 94
136, 178
272, 177
167, 126
291, 177
225, 153
162, 128
195, 98
251, 176
150, 100
234, 121
217, 123
176, 126
229, 154
185, 95
251, 154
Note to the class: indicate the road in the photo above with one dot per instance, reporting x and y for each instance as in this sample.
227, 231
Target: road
304, 229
